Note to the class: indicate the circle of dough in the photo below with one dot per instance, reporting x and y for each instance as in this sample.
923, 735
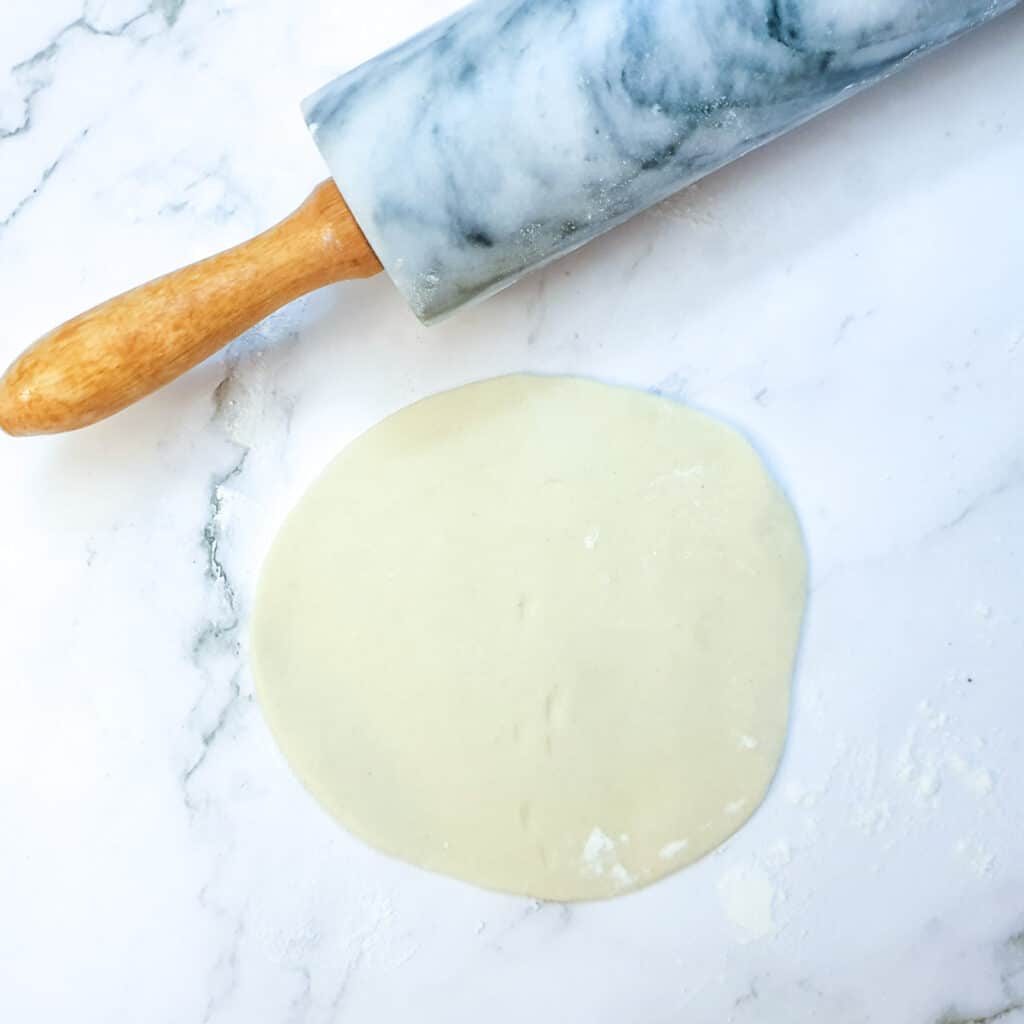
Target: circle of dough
537, 634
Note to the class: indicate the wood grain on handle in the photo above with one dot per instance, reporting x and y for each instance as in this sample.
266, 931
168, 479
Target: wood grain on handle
106, 359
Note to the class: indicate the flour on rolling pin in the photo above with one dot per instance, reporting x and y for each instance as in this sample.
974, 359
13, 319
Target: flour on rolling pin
517, 130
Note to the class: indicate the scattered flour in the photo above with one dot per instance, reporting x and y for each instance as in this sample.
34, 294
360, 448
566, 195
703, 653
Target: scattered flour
935, 719
928, 783
600, 857
978, 858
979, 781
924, 762
670, 850
598, 852
797, 793
872, 818
748, 898
242, 400
621, 875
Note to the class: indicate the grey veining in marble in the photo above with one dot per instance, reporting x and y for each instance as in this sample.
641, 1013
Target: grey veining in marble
517, 130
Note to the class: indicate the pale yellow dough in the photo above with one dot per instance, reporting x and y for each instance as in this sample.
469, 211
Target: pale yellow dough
536, 634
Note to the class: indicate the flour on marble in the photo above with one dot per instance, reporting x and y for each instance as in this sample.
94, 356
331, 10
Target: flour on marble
748, 897
931, 755
805, 796
978, 859
872, 818
248, 404
978, 781
242, 399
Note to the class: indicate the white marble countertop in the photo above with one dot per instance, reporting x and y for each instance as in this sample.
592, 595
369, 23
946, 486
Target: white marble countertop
850, 296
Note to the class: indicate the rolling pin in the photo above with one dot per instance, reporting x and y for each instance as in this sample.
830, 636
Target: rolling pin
488, 145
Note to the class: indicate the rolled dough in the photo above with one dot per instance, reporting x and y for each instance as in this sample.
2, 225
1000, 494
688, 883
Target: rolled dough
536, 634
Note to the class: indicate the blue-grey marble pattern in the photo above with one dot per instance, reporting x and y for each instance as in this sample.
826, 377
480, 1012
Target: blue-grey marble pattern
517, 130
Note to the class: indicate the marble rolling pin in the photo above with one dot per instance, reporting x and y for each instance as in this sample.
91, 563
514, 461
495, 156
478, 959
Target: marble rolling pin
488, 145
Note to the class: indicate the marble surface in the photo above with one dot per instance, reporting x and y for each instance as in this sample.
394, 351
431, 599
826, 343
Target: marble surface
516, 131
850, 296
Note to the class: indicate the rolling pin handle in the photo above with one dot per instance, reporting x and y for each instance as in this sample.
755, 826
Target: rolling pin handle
118, 353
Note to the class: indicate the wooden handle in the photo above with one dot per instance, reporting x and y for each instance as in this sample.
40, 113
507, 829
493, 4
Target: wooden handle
106, 359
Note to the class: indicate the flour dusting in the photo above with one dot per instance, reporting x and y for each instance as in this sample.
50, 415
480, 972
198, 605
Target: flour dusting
670, 850
928, 758
748, 898
601, 857
978, 859
872, 818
